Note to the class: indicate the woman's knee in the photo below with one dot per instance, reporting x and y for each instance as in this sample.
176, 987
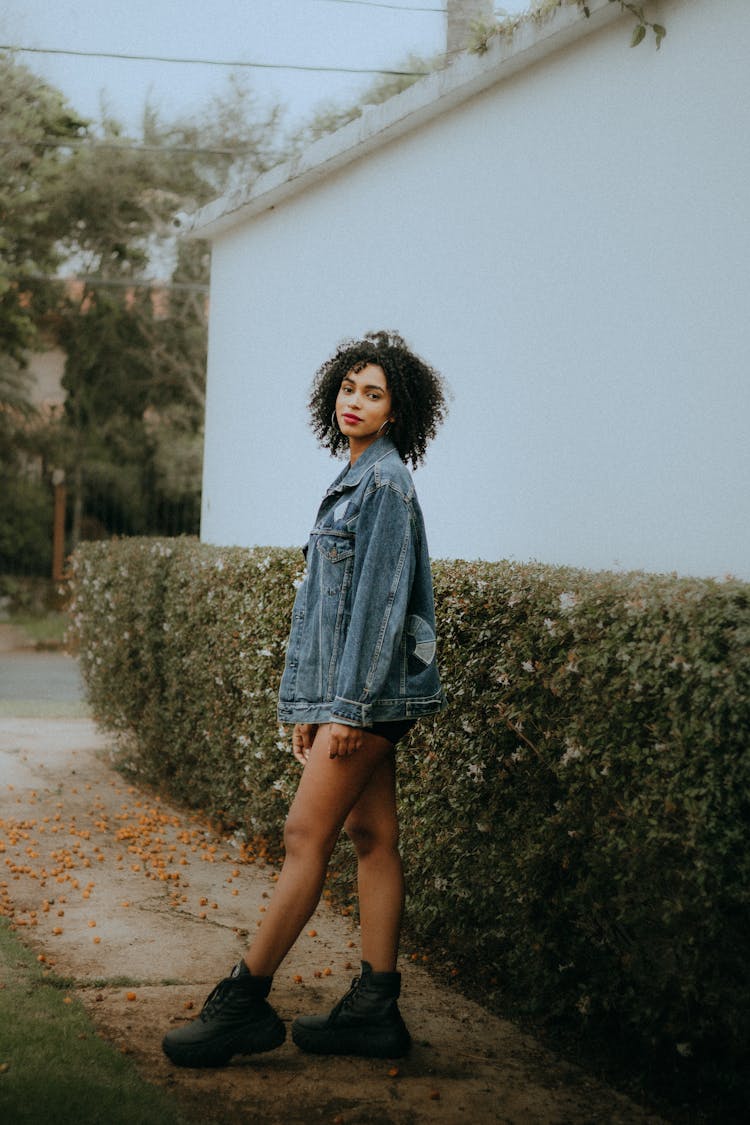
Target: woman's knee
368, 837
301, 834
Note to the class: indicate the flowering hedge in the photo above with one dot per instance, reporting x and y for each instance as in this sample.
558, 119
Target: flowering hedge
575, 822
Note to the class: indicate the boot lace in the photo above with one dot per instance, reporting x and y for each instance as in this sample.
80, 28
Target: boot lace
347, 998
215, 999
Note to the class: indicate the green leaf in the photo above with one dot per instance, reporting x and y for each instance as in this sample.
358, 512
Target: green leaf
639, 34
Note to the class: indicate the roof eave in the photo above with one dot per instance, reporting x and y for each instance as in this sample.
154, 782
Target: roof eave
436, 94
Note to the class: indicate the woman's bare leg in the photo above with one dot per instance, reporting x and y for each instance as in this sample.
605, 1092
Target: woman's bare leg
329, 789
372, 826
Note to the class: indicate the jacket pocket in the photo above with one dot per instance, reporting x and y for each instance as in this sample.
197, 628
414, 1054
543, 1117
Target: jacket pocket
335, 546
420, 643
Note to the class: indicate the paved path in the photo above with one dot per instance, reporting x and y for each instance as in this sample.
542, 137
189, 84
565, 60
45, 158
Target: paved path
34, 683
132, 897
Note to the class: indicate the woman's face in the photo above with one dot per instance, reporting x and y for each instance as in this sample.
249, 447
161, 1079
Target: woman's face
363, 406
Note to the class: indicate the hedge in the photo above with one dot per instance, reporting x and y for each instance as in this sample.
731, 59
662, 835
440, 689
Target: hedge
574, 824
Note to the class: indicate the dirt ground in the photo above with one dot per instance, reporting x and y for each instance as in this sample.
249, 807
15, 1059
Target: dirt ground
145, 909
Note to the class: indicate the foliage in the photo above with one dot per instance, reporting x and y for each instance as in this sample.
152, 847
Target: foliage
103, 206
542, 10
30, 176
25, 522
576, 821
332, 116
136, 353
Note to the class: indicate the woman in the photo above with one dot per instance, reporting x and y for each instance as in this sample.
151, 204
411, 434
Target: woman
360, 671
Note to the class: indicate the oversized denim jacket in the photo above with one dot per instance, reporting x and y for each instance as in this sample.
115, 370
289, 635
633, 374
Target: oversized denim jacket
362, 643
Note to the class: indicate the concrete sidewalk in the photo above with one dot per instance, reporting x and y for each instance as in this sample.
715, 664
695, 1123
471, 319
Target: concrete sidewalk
146, 908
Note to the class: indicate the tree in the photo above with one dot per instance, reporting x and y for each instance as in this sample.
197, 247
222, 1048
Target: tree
36, 122
34, 159
135, 372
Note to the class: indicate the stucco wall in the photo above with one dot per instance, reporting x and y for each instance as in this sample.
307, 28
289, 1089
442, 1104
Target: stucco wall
571, 249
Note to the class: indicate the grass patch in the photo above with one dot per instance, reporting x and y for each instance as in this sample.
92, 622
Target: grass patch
44, 709
53, 1065
44, 629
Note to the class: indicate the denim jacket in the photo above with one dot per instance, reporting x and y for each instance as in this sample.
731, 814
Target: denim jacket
362, 643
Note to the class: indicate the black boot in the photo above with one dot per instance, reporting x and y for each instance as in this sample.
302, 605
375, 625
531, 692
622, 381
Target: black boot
365, 1022
235, 1020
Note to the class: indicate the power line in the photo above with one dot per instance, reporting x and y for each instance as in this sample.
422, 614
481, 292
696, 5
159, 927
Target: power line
81, 143
210, 62
114, 282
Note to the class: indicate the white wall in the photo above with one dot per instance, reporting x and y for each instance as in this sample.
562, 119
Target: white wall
572, 250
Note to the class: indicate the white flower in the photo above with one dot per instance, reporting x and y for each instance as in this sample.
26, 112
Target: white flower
571, 755
567, 600
264, 652
527, 666
549, 625
476, 772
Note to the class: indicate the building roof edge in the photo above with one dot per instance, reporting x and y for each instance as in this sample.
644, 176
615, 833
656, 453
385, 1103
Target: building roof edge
438, 93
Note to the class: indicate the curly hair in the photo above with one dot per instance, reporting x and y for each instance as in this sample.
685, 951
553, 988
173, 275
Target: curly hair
417, 393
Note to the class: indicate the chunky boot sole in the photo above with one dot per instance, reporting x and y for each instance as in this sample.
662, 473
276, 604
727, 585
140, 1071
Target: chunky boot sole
257, 1037
387, 1042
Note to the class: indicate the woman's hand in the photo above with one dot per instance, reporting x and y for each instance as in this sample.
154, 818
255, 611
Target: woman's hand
302, 739
343, 740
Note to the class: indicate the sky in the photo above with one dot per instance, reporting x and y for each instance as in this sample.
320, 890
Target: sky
326, 33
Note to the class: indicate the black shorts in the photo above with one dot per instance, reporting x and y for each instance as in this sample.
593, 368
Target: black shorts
393, 731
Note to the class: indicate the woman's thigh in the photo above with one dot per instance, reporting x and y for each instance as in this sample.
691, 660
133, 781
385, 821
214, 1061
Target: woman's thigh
331, 787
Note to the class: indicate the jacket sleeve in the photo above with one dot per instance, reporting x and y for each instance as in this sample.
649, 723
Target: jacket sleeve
384, 564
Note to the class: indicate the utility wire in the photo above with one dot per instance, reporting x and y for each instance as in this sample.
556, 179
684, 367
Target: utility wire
113, 282
55, 142
209, 62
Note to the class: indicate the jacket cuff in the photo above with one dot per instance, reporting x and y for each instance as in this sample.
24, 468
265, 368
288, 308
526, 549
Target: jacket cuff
351, 714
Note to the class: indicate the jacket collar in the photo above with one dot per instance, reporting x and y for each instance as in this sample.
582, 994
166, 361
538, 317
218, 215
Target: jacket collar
351, 476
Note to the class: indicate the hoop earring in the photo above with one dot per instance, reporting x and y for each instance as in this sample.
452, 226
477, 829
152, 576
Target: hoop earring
388, 422
335, 421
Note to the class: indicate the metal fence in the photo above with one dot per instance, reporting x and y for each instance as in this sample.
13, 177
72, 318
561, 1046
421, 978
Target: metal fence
41, 522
